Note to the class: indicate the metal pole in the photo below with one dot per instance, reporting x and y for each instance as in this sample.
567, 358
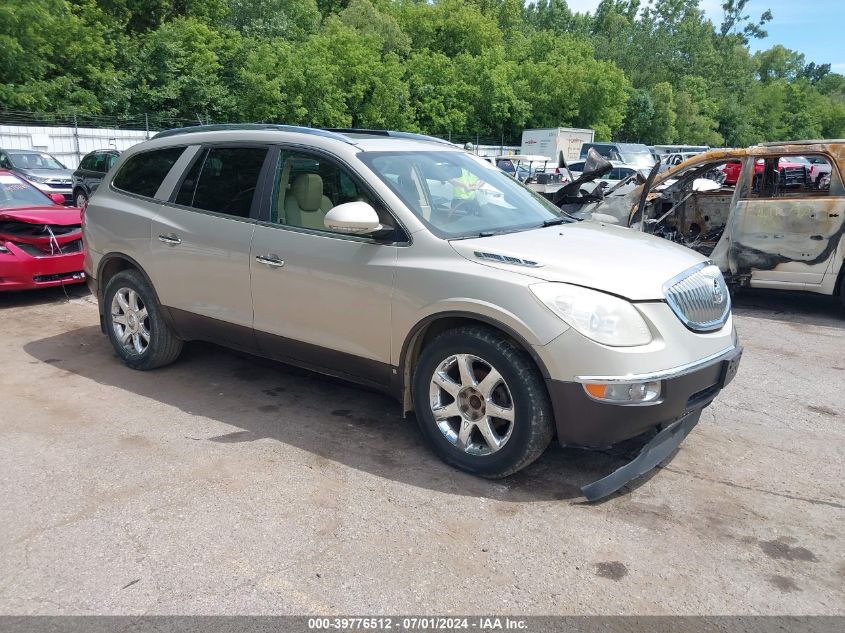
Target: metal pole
76, 139
146, 126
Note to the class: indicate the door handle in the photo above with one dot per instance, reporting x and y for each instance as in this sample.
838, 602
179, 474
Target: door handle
270, 260
170, 239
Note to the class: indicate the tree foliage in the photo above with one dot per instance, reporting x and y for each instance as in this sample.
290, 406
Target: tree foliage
655, 72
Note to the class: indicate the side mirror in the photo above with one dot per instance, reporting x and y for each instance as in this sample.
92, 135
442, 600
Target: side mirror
353, 218
57, 198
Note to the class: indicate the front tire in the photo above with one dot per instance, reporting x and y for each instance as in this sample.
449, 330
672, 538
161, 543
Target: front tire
79, 199
135, 325
481, 402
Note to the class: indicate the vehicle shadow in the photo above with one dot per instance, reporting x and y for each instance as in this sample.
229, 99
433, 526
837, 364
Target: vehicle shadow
41, 296
327, 417
793, 307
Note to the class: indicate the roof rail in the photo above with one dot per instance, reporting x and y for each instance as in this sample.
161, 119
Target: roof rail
827, 141
253, 126
391, 134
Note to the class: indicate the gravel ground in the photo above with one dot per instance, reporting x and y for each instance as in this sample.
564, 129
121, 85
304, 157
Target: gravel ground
229, 485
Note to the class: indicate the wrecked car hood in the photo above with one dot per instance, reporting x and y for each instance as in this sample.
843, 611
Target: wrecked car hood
62, 216
592, 254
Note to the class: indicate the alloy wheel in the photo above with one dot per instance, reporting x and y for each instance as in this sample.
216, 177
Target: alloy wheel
472, 404
130, 321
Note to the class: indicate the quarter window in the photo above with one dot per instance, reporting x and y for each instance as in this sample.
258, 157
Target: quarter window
143, 173
223, 180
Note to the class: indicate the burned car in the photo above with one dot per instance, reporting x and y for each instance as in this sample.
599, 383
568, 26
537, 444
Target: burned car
776, 227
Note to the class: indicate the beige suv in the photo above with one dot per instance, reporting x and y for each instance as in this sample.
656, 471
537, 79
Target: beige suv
404, 263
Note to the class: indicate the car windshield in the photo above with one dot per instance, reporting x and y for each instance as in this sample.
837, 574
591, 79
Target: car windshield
34, 160
15, 193
637, 155
457, 195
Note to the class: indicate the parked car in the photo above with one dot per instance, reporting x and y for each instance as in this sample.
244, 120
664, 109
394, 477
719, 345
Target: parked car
793, 172
498, 320
40, 239
635, 154
784, 231
619, 172
732, 169
90, 172
512, 168
41, 169
824, 182
670, 160
819, 168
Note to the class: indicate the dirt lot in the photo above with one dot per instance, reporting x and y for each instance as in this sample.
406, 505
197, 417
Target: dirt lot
226, 484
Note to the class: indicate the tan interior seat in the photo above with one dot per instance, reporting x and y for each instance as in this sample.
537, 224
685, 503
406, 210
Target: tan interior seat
305, 205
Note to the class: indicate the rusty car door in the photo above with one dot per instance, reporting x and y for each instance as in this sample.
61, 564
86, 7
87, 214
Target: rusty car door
784, 237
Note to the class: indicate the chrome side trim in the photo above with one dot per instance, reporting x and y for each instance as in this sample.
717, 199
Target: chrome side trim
664, 374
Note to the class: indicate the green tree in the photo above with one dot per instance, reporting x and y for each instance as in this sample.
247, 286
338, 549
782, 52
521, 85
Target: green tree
177, 72
291, 19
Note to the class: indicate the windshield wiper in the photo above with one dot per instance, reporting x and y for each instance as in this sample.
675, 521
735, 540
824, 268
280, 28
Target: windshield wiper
554, 221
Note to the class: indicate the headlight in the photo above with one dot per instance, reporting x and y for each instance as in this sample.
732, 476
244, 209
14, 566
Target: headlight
599, 316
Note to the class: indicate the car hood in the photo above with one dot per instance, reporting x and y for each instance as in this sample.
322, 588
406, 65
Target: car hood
595, 255
56, 215
47, 173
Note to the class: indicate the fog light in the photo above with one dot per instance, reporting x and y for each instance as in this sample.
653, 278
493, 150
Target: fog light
624, 392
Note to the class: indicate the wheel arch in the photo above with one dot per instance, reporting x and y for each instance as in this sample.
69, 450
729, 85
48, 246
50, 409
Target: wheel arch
114, 263
431, 326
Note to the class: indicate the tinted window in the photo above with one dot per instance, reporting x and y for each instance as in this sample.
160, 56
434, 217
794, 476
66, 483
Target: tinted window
143, 173
112, 159
228, 179
87, 162
99, 163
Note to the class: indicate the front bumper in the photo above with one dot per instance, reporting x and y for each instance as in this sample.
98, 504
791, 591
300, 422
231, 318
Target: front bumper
21, 271
583, 421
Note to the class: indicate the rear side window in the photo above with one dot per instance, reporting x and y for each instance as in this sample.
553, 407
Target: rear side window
143, 173
792, 177
224, 180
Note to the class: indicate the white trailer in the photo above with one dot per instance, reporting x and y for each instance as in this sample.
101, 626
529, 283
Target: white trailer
556, 142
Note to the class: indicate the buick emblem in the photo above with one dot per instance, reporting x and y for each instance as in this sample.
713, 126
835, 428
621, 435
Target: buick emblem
718, 293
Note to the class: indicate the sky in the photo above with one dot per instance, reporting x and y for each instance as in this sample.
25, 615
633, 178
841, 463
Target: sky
814, 28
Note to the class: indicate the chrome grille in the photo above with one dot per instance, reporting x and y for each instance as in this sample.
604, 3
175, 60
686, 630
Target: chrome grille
699, 298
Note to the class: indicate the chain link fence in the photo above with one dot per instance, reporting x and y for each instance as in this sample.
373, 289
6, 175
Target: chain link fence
70, 135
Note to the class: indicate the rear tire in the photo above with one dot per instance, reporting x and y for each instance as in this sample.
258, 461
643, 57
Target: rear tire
842, 288
135, 324
481, 402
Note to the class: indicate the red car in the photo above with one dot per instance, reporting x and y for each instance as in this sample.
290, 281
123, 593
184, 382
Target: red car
732, 170
794, 170
40, 239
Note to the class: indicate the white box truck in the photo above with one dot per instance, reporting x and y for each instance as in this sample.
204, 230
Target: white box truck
554, 141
